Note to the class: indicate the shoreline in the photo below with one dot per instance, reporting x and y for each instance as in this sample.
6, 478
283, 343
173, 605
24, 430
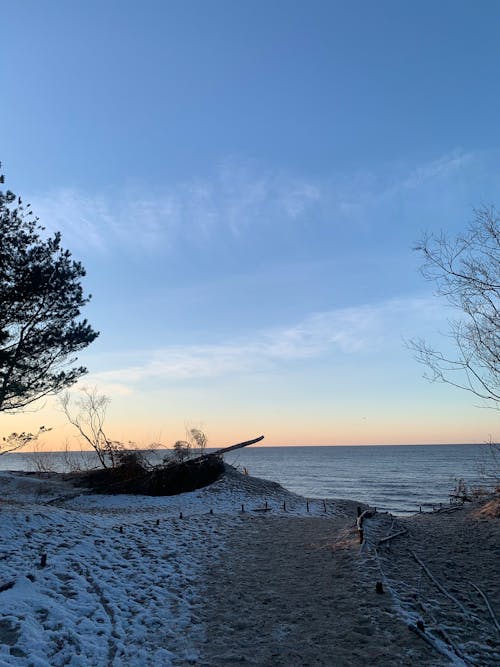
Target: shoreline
203, 589
380, 479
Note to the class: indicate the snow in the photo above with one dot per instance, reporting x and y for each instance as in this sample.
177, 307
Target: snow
123, 572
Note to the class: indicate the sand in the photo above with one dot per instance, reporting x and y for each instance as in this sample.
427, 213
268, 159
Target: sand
460, 549
282, 596
130, 583
301, 591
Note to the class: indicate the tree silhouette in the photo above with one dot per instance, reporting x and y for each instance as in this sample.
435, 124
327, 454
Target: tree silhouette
466, 271
41, 297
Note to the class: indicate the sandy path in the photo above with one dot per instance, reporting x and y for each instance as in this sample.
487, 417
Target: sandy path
288, 591
230, 588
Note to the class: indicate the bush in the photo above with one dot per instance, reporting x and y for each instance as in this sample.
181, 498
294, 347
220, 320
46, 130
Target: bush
132, 474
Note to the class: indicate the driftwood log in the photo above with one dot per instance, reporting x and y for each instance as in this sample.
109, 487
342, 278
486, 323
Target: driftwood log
225, 450
463, 497
390, 537
440, 586
492, 613
441, 631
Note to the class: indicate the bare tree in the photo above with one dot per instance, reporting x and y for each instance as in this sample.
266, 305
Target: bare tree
466, 271
182, 450
195, 444
198, 440
87, 414
489, 466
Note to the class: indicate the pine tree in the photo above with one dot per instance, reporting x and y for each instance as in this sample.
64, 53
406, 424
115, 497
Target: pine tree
41, 298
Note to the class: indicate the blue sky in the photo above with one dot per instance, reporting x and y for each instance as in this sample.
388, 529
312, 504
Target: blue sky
244, 182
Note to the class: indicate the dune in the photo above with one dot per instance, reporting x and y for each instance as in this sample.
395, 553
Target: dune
240, 572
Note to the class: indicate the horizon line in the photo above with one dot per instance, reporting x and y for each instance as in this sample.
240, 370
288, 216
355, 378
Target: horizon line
161, 448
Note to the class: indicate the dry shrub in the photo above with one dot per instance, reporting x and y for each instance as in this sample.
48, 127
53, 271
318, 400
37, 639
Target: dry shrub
490, 510
132, 474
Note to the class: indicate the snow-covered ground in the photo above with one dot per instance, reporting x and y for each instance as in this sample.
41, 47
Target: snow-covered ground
122, 573
135, 581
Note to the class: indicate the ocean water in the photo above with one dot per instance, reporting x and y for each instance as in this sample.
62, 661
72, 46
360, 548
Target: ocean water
397, 478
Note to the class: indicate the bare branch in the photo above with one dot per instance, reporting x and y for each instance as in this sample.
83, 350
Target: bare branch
87, 414
466, 271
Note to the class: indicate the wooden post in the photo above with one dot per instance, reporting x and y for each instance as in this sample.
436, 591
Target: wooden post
266, 505
307, 505
324, 505
243, 508
43, 560
180, 515
157, 522
420, 509
379, 588
284, 506
211, 511
121, 529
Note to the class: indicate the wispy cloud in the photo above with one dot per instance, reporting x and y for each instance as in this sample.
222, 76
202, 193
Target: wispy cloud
367, 193
443, 167
340, 332
435, 172
236, 201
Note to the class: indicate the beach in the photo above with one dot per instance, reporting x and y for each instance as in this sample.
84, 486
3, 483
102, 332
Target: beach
241, 572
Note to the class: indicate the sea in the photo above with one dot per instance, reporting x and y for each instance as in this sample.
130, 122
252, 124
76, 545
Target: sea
401, 479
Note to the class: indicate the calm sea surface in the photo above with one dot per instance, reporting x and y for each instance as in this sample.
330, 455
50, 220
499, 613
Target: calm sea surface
396, 478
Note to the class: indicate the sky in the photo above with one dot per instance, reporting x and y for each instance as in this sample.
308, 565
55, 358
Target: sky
244, 183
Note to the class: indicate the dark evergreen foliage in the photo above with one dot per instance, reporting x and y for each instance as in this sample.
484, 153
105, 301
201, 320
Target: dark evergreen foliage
41, 297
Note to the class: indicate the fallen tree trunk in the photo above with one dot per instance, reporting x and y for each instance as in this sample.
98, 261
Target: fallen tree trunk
231, 448
167, 479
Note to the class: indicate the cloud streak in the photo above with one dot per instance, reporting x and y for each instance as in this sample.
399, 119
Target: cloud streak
342, 332
235, 202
